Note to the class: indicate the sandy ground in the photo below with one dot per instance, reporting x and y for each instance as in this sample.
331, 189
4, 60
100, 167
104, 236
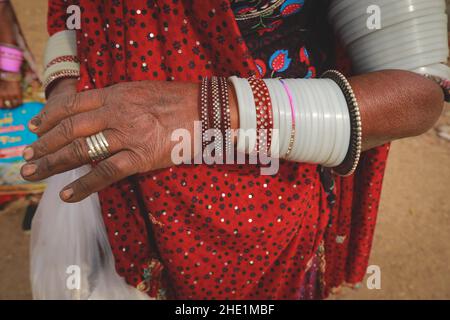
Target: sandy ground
412, 240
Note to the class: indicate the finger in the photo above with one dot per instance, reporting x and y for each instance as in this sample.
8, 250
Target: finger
69, 157
16, 101
80, 125
7, 104
64, 106
101, 176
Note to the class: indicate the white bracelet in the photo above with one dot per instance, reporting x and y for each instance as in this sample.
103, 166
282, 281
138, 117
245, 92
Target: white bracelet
276, 133
60, 46
342, 122
322, 121
282, 109
325, 142
63, 43
303, 115
413, 35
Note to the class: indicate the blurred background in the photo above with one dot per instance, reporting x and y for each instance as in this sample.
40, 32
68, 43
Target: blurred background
412, 239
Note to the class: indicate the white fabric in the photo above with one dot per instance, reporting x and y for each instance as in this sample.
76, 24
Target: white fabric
71, 236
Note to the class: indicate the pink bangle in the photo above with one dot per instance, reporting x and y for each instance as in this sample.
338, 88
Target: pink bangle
10, 59
291, 103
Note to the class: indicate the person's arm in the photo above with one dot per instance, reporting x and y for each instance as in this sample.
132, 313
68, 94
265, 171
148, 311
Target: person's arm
10, 88
138, 120
396, 104
56, 22
7, 24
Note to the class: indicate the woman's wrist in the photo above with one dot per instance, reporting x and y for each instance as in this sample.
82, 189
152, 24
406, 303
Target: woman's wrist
6, 24
63, 85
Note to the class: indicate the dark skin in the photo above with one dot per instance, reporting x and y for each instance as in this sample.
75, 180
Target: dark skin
137, 119
10, 91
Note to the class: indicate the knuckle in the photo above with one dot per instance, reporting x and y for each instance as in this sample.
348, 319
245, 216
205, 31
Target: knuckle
82, 186
41, 147
71, 103
46, 165
107, 169
78, 151
65, 128
135, 162
101, 95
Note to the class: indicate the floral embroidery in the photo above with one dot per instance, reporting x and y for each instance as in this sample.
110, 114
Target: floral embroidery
267, 26
261, 67
279, 61
152, 278
291, 7
270, 27
304, 56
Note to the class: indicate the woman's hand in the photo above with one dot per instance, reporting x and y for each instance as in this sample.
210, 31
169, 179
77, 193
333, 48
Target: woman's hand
10, 94
137, 119
10, 91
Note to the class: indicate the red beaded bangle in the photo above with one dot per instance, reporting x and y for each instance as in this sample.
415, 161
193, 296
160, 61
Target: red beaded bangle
264, 117
215, 115
63, 59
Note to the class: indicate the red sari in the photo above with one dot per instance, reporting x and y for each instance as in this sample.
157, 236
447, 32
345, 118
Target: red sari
217, 232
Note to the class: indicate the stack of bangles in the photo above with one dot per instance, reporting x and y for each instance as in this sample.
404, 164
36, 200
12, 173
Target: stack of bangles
302, 120
60, 58
11, 58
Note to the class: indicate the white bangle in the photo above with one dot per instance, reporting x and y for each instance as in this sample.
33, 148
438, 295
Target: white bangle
342, 123
304, 120
282, 108
344, 143
326, 138
60, 46
322, 120
276, 133
63, 43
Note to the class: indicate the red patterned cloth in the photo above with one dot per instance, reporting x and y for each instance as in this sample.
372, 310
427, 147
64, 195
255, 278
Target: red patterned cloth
218, 232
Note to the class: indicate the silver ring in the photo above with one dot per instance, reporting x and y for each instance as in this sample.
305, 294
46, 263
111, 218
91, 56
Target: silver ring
103, 143
102, 136
98, 147
91, 151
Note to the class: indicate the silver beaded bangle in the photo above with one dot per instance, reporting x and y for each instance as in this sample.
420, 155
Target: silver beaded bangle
353, 156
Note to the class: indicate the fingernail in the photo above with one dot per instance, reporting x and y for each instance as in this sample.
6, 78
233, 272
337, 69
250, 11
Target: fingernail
28, 153
34, 123
29, 169
67, 194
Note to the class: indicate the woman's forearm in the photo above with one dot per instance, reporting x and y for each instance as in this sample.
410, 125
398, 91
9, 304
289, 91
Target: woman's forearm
6, 24
396, 104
